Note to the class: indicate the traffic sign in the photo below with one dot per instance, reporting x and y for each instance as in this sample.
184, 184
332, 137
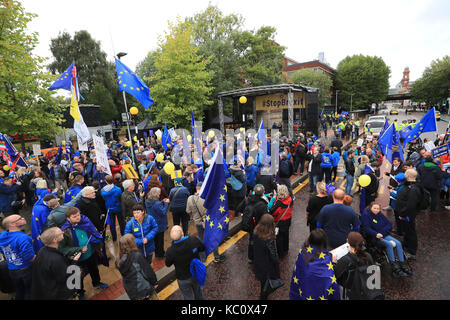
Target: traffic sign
124, 117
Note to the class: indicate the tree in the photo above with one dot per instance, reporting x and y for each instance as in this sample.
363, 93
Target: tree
316, 80
432, 88
93, 70
182, 82
102, 97
261, 57
364, 77
27, 107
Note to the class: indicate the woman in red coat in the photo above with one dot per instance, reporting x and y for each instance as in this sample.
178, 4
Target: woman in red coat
282, 214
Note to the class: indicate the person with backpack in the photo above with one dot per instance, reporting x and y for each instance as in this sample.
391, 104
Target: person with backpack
285, 172
314, 170
281, 211
410, 200
352, 271
139, 279
57, 216
300, 158
431, 178
256, 207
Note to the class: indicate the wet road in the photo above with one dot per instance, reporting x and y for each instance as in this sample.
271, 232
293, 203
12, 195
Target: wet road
234, 278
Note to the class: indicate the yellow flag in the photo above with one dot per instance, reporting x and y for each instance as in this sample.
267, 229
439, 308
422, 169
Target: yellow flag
74, 110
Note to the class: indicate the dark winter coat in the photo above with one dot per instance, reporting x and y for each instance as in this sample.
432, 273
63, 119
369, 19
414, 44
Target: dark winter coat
266, 264
138, 276
89, 207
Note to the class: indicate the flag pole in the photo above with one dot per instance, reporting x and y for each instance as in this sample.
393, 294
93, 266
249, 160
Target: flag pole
128, 128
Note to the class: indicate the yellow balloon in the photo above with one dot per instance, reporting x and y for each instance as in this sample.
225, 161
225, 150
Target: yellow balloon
189, 138
134, 111
211, 134
243, 99
159, 157
364, 180
128, 143
63, 142
169, 168
135, 138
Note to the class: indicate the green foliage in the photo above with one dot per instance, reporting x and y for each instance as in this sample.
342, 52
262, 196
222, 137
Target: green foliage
261, 57
366, 77
26, 105
182, 82
102, 97
432, 87
314, 79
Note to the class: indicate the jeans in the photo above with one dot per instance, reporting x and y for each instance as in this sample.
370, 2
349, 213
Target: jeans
313, 179
190, 289
21, 280
159, 244
386, 241
434, 193
349, 185
201, 234
113, 226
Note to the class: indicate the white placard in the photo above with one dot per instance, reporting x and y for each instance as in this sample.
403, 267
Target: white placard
172, 134
158, 133
360, 142
36, 149
100, 154
341, 251
429, 146
82, 146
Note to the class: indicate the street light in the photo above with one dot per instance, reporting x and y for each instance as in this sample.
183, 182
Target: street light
351, 101
336, 100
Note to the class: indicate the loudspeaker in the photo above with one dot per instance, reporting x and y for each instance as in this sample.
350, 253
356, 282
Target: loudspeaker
312, 113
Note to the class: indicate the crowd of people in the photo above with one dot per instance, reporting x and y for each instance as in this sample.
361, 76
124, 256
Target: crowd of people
74, 200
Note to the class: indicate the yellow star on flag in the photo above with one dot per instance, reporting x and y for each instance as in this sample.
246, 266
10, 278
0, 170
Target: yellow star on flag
221, 209
322, 298
222, 197
322, 255
330, 291
300, 291
295, 280
300, 251
309, 249
207, 218
227, 220
211, 224
225, 188
309, 298
220, 227
333, 279
330, 266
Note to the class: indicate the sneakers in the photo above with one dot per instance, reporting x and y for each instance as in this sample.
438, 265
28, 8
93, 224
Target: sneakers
219, 258
410, 256
101, 286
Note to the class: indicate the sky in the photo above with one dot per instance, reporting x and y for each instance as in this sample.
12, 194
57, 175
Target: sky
404, 33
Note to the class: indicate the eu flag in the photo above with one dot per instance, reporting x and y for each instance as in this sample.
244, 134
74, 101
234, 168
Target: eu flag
130, 82
390, 144
64, 81
58, 156
214, 191
403, 133
315, 280
166, 139
426, 124
385, 127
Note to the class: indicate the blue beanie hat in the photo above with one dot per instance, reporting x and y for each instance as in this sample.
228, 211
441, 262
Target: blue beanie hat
400, 177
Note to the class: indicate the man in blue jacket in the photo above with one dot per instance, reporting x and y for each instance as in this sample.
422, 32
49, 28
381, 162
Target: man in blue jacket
39, 215
112, 195
17, 249
8, 191
178, 197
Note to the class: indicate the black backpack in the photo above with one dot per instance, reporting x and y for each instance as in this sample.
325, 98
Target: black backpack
248, 219
357, 283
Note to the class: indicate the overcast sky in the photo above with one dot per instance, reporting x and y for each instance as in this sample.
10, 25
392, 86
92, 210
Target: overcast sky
404, 33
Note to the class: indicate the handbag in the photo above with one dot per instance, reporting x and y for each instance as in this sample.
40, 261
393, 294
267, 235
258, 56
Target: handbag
235, 183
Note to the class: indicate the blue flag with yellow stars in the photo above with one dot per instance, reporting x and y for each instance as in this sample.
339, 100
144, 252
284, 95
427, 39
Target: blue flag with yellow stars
390, 144
130, 82
214, 191
426, 124
315, 280
64, 81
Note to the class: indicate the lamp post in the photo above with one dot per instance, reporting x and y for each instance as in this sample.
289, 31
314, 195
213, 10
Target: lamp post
120, 55
351, 101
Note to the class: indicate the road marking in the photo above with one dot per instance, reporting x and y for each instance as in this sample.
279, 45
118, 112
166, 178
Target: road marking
342, 184
300, 186
173, 286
